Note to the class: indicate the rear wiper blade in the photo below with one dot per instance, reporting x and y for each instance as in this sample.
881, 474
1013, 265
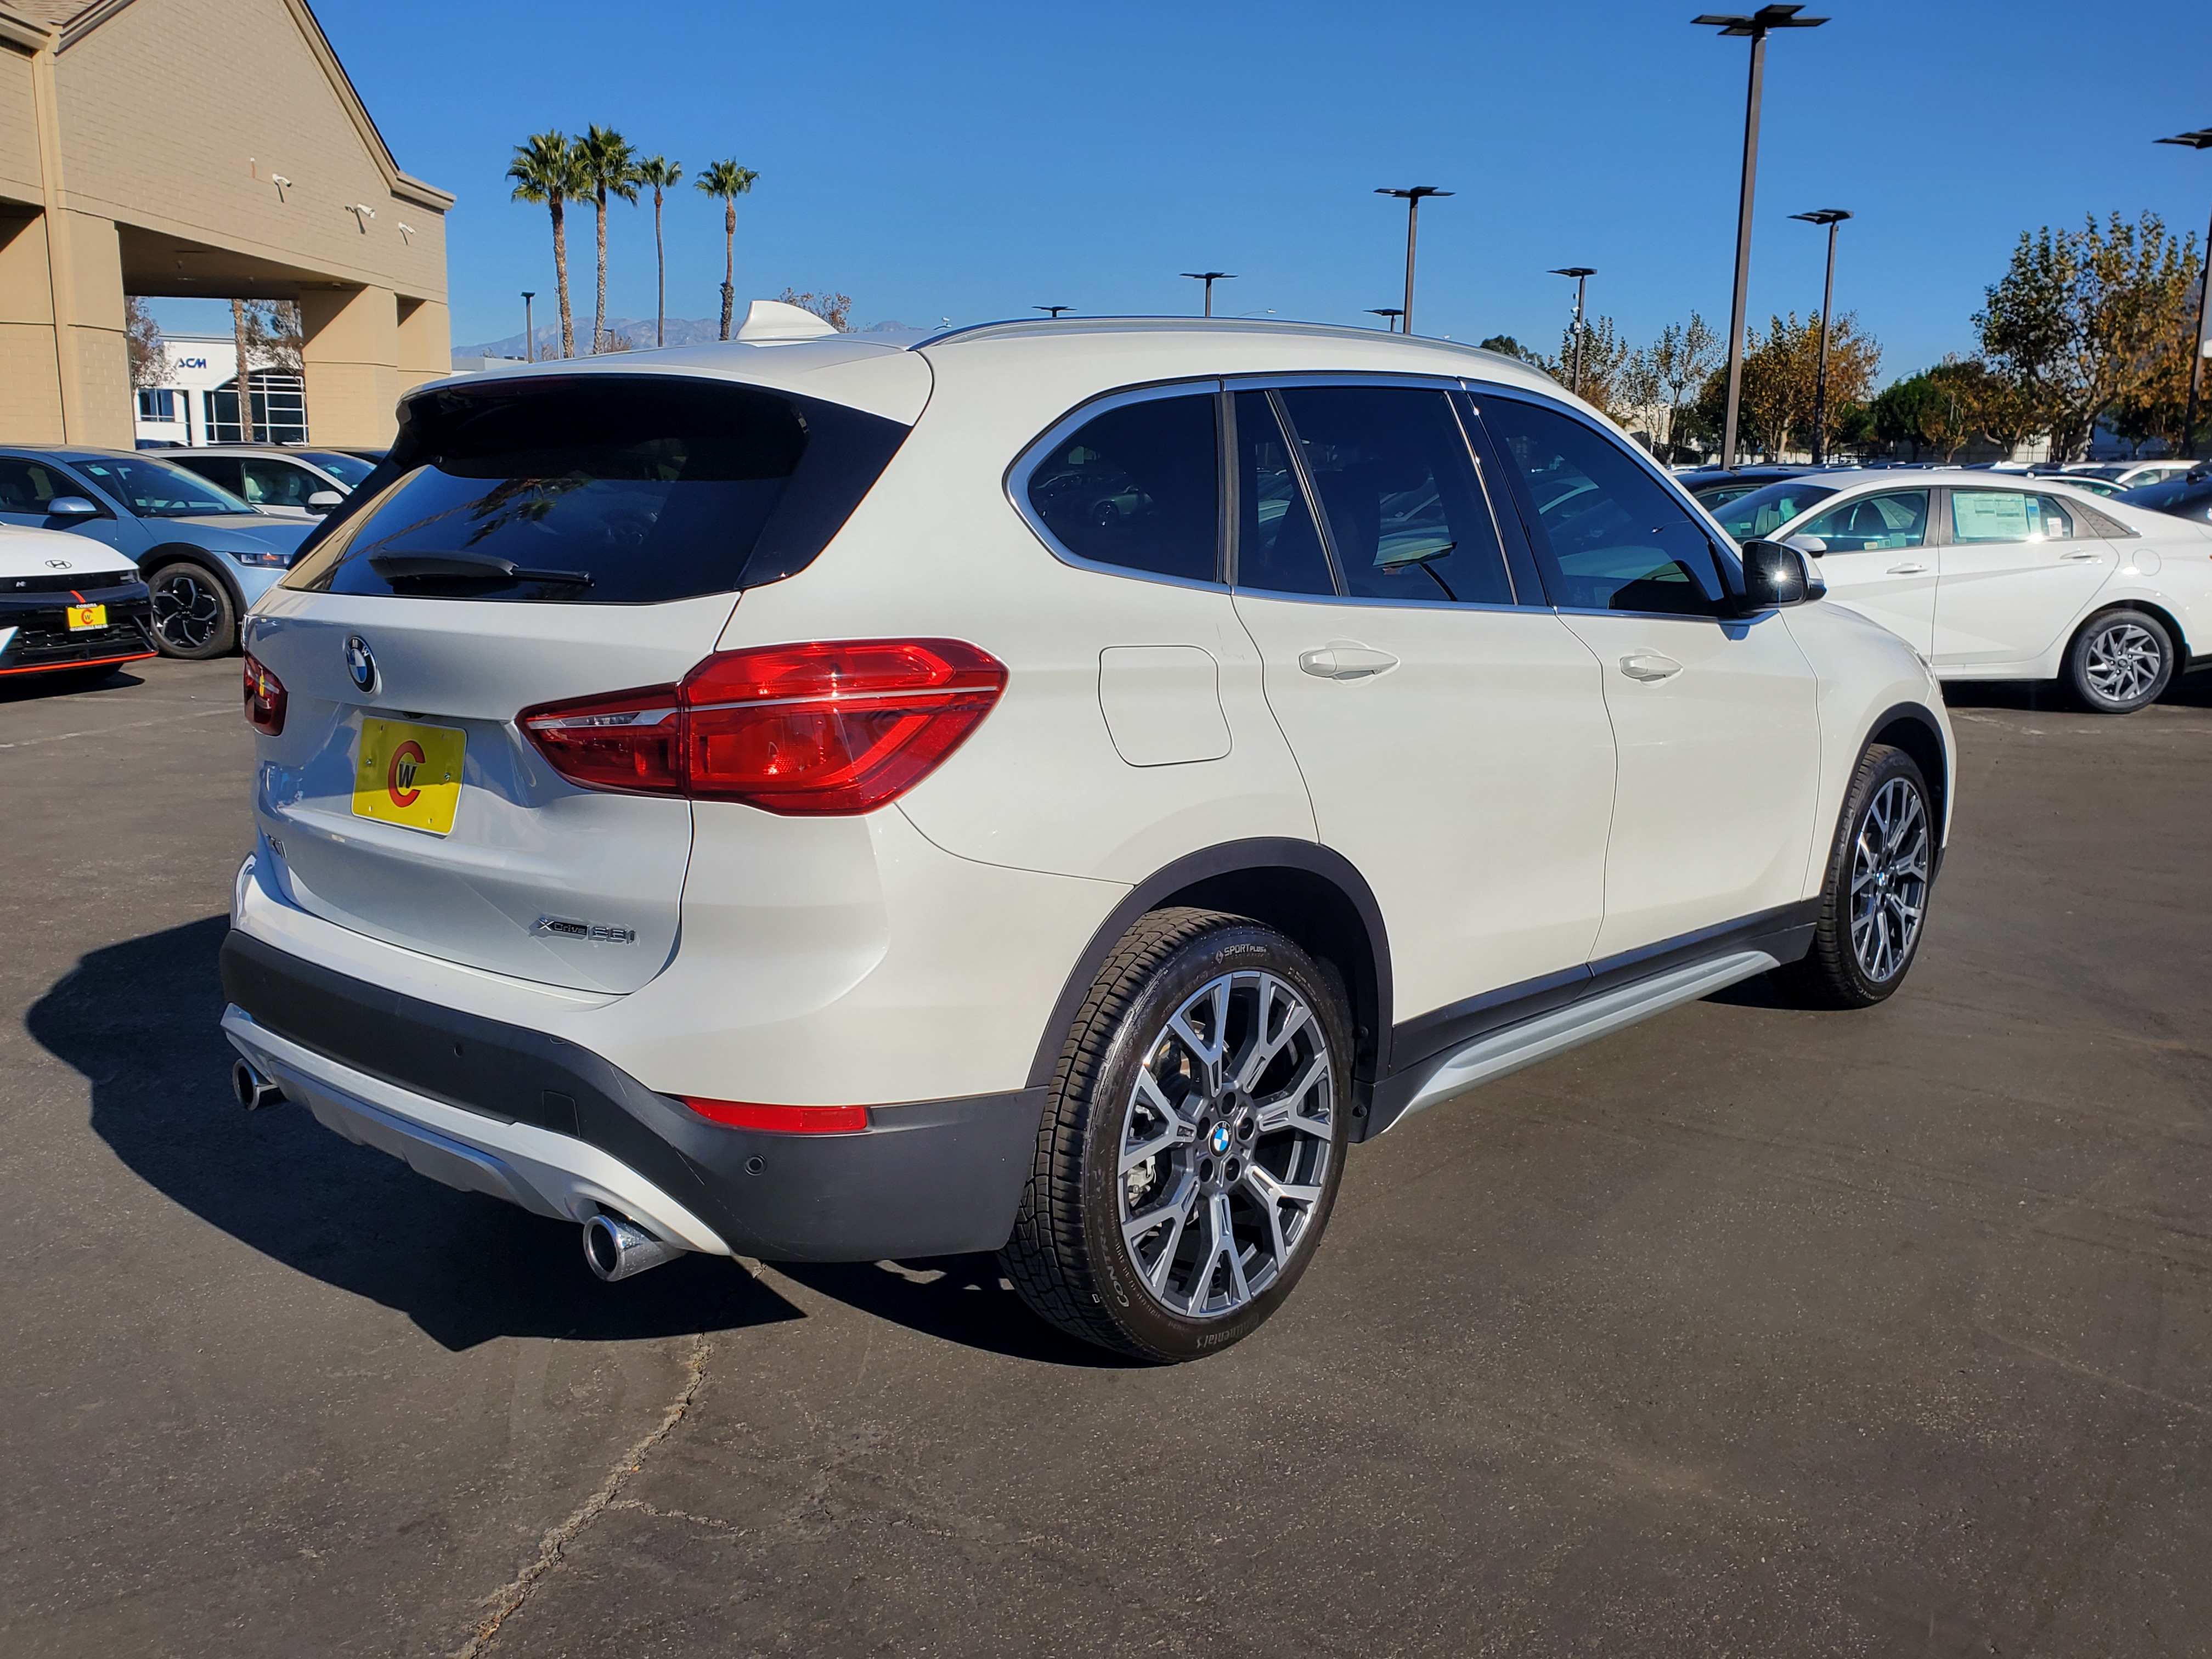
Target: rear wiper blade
466, 567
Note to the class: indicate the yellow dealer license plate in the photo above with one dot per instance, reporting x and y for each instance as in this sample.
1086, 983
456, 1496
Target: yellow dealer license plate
408, 773
81, 617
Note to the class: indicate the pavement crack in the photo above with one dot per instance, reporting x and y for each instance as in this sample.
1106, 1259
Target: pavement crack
510, 1597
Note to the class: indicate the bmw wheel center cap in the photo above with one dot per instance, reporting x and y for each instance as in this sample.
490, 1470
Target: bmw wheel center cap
1220, 1138
359, 662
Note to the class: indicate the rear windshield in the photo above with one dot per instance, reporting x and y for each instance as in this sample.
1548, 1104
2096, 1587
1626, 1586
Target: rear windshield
600, 489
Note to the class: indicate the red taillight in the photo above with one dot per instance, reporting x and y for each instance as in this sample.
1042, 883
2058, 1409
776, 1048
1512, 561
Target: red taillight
830, 728
782, 1120
265, 699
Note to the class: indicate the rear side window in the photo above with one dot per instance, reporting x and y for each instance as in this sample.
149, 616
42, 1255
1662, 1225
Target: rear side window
1398, 487
600, 491
1137, 486
1609, 536
1278, 549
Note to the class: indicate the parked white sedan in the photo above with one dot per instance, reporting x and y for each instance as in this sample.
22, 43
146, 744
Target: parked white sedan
2012, 579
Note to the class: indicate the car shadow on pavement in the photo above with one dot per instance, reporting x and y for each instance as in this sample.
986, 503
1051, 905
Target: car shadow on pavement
2050, 697
63, 683
954, 1298
138, 1020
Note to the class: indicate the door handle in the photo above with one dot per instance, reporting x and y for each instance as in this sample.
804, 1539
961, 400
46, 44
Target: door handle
1342, 660
1908, 570
2081, 558
1649, 666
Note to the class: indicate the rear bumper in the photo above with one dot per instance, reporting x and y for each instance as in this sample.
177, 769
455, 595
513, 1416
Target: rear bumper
542, 1122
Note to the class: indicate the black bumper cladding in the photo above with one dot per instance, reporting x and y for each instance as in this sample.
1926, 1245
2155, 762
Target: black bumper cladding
939, 1177
35, 634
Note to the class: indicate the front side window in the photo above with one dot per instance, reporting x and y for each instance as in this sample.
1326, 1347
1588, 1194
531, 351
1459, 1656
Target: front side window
29, 486
1872, 524
274, 484
1406, 511
1761, 512
1137, 486
154, 489
1279, 551
1610, 536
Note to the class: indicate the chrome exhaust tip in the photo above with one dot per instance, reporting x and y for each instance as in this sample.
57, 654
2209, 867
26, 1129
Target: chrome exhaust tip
254, 1091
620, 1248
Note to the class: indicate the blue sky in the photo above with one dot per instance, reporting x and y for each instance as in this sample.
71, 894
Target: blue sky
971, 161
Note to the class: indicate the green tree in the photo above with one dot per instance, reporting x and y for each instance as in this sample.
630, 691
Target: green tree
609, 165
1781, 378
662, 174
2078, 323
1682, 358
1605, 357
545, 171
1897, 408
728, 181
1506, 346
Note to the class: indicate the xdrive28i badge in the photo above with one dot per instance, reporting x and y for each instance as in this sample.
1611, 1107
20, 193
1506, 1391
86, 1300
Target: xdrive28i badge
361, 662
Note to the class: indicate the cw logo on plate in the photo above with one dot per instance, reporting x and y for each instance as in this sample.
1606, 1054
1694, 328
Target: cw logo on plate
408, 773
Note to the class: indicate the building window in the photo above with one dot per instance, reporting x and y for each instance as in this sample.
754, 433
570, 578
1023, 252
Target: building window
280, 410
161, 404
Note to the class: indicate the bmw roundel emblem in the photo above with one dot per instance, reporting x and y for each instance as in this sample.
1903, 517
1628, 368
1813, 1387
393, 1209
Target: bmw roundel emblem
1220, 1137
360, 663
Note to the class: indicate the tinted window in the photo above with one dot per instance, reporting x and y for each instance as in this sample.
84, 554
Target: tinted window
1763, 511
1137, 486
1869, 524
1278, 549
1398, 487
604, 490
156, 489
279, 483
1610, 536
28, 486
220, 469
348, 469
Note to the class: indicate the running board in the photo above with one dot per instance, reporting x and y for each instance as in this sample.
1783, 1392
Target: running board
1507, 1051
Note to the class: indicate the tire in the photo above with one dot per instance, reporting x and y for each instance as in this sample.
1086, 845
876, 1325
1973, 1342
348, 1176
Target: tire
1871, 922
1128, 1080
2122, 660
194, 617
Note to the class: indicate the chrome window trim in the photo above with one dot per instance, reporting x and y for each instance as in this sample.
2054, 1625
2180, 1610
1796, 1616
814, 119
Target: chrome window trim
1019, 470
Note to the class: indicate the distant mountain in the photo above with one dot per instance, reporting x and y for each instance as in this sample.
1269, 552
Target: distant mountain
682, 332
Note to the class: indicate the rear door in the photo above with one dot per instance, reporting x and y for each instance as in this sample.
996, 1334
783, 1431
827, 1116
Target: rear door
539, 545
1713, 715
1454, 741
2018, 568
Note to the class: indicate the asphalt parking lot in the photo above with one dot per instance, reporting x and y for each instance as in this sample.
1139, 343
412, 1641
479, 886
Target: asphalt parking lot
1748, 1332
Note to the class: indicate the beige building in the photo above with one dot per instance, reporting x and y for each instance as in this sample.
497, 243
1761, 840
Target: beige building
278, 187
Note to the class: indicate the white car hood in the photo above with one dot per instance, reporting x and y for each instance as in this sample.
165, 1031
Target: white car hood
25, 552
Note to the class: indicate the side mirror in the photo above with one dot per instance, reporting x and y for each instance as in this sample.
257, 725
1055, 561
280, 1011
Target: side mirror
1775, 574
324, 499
1814, 544
70, 507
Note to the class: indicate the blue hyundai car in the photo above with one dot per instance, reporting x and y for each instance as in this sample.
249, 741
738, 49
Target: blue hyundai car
206, 555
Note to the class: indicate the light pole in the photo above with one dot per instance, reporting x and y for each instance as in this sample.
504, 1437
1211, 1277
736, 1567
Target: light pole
1755, 26
1210, 277
529, 350
1390, 314
1412, 198
1055, 310
1581, 274
1831, 217
2201, 139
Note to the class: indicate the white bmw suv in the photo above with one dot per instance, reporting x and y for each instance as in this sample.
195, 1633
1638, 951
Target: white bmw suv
1045, 789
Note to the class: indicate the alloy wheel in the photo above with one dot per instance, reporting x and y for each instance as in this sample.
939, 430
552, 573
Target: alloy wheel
1889, 880
186, 611
1224, 1144
2124, 662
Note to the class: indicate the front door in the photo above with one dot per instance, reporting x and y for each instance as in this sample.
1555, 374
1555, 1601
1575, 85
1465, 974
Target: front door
1713, 715
28, 487
1454, 742
2017, 569
1876, 554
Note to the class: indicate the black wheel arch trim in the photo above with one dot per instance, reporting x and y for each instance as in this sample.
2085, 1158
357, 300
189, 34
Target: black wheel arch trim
1920, 715
1214, 865
187, 553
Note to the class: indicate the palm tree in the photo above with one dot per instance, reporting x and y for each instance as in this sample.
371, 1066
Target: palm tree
611, 165
729, 181
662, 174
545, 171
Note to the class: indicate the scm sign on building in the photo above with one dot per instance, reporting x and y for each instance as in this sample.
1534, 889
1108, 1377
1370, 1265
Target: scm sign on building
289, 195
